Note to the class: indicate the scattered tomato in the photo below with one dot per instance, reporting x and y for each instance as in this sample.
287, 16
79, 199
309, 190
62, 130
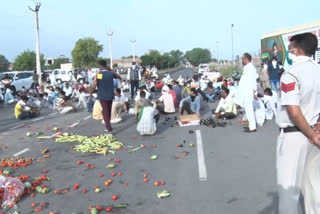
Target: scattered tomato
109, 209
145, 175
154, 146
114, 197
163, 183
99, 208
37, 209
177, 156
156, 183
33, 204
79, 162
100, 175
84, 191
45, 171
113, 174
184, 153
117, 160
88, 165
76, 186
120, 173
146, 180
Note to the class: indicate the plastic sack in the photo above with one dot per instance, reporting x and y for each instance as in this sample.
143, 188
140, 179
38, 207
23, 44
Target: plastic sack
97, 111
11, 190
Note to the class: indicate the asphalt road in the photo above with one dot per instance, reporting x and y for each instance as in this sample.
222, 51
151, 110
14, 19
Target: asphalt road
240, 167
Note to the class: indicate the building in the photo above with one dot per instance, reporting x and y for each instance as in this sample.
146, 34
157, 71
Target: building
125, 63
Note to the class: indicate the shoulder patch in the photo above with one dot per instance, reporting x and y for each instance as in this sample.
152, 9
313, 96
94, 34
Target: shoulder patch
288, 87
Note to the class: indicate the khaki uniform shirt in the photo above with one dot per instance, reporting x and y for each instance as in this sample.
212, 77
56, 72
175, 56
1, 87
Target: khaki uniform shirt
300, 86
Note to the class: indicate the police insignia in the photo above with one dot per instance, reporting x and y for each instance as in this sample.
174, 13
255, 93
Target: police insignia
288, 87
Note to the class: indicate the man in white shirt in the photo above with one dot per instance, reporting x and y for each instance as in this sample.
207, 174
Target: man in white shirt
269, 103
226, 109
68, 91
134, 76
247, 90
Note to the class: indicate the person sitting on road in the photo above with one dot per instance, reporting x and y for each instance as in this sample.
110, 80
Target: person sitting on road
68, 91
174, 96
165, 103
82, 99
190, 104
269, 104
211, 94
62, 105
119, 102
8, 97
24, 111
148, 116
226, 109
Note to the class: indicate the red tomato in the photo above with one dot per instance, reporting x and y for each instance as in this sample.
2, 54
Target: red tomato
177, 156
145, 175
114, 197
126, 184
163, 183
100, 175
84, 190
99, 208
79, 162
33, 204
88, 165
146, 180
109, 209
45, 171
154, 146
117, 160
120, 173
156, 183
113, 174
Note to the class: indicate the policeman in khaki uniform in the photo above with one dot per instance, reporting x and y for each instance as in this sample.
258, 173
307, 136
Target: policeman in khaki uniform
299, 108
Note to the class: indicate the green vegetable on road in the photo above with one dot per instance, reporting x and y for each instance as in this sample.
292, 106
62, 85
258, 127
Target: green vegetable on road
191, 145
121, 206
154, 157
163, 194
29, 134
110, 166
94, 211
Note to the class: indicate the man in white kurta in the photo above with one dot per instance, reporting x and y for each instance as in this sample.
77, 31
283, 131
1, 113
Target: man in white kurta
247, 89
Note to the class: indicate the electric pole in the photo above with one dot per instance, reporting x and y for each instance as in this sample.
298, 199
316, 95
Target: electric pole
133, 50
110, 50
232, 42
218, 52
36, 10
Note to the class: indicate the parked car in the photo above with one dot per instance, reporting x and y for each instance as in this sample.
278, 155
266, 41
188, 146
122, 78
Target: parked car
203, 68
63, 76
17, 79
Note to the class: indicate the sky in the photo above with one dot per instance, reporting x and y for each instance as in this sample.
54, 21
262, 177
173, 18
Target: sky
163, 25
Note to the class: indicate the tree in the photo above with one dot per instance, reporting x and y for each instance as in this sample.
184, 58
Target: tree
198, 55
85, 53
57, 63
26, 61
4, 63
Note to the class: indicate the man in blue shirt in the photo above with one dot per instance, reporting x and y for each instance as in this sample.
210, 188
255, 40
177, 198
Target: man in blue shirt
191, 104
104, 83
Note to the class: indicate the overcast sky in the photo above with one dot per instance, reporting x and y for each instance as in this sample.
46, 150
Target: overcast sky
155, 24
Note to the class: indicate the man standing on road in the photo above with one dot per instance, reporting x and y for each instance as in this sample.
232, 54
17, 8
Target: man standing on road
247, 91
104, 82
273, 70
134, 76
299, 111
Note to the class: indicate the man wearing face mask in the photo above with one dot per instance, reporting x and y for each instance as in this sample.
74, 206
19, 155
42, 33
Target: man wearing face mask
273, 70
134, 77
298, 144
264, 76
190, 104
247, 91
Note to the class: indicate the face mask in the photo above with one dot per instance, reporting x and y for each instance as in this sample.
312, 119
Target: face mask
265, 67
134, 66
293, 57
274, 64
280, 66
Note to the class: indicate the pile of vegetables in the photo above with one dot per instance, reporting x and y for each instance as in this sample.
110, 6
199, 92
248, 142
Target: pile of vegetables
100, 144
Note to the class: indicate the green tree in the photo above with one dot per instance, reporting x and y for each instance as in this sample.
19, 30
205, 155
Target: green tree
198, 55
85, 53
26, 61
4, 63
57, 63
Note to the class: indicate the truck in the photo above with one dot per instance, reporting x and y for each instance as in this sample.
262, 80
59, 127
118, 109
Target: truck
276, 44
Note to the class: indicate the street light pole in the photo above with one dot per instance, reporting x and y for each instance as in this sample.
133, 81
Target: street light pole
232, 42
38, 65
133, 50
218, 52
110, 49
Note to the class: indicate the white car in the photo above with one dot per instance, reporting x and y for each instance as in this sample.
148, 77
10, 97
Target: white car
203, 68
63, 76
17, 79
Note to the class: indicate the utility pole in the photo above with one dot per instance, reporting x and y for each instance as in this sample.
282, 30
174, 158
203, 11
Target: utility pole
133, 50
36, 10
232, 42
110, 49
218, 52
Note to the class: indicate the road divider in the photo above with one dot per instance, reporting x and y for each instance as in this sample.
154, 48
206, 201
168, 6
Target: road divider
201, 161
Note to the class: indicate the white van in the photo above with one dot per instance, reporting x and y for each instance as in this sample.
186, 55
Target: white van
63, 76
203, 68
17, 79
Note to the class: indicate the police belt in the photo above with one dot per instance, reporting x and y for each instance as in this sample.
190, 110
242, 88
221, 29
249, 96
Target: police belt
292, 129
